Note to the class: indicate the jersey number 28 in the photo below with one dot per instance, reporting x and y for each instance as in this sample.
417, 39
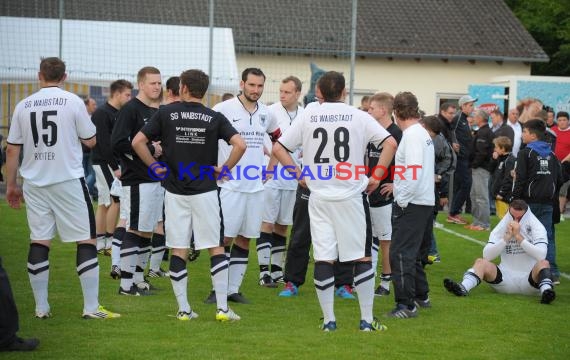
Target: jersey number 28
48, 139
341, 149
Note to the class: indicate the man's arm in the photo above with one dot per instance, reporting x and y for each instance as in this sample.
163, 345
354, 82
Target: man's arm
140, 146
284, 157
13, 191
498, 239
90, 143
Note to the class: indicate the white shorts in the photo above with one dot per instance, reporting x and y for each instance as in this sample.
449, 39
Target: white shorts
104, 178
65, 206
382, 222
193, 213
515, 283
242, 213
278, 206
142, 205
338, 229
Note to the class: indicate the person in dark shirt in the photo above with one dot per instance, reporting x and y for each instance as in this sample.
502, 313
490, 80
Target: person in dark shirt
142, 194
106, 166
189, 133
461, 133
538, 178
381, 199
502, 182
480, 164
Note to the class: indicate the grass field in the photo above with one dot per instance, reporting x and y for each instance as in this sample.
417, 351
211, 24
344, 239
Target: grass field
483, 325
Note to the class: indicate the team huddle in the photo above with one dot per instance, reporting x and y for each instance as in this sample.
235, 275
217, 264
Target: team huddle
149, 158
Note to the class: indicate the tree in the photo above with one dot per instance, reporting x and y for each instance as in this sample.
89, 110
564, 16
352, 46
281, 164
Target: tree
548, 21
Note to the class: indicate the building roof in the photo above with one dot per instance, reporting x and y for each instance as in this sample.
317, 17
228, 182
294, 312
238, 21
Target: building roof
443, 29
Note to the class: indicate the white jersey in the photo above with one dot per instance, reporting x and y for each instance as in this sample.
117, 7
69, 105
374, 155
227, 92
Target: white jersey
415, 160
48, 124
518, 257
285, 119
247, 175
334, 137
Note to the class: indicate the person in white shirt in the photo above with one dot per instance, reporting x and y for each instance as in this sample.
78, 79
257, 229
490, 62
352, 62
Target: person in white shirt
513, 121
242, 196
521, 242
414, 198
279, 192
50, 126
334, 137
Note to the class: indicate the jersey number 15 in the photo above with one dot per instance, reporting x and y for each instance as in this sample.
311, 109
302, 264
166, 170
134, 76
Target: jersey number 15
50, 138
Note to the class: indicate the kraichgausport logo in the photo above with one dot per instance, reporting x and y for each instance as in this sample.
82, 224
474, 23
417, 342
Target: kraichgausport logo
160, 171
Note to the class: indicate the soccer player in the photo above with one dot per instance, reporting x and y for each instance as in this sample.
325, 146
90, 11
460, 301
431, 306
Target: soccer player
412, 209
520, 240
380, 108
50, 125
189, 133
279, 192
334, 136
142, 195
242, 198
105, 166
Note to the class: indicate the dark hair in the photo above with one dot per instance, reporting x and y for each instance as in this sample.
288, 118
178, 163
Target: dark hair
173, 84
562, 114
518, 204
432, 123
295, 80
52, 69
406, 106
504, 143
331, 85
227, 96
446, 105
146, 70
536, 127
497, 112
252, 71
196, 81
120, 85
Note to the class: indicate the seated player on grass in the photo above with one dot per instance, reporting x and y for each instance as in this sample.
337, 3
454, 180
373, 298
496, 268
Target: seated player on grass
520, 240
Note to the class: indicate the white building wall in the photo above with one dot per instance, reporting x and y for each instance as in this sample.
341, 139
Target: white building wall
425, 78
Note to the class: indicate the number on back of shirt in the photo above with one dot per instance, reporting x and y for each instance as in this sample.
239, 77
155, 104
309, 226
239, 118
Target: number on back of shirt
341, 149
48, 127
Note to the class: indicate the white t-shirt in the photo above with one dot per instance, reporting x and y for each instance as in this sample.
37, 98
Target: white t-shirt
518, 257
517, 128
415, 161
334, 137
247, 174
49, 124
285, 119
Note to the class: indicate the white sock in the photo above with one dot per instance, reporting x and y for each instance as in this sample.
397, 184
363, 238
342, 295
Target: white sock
238, 266
88, 271
324, 285
470, 280
179, 280
219, 272
364, 284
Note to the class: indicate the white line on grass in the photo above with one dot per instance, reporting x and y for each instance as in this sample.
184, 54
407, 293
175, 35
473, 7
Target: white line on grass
482, 243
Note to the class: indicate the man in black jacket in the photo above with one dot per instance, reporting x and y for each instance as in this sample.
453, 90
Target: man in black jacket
480, 165
461, 133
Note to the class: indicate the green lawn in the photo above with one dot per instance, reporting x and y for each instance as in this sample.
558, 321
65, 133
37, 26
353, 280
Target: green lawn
482, 326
